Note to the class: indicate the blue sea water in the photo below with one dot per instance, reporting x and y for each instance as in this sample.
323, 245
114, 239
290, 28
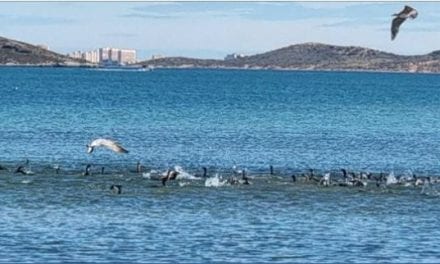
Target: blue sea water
324, 120
377, 122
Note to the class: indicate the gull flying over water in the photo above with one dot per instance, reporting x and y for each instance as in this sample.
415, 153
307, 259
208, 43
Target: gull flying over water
108, 143
407, 12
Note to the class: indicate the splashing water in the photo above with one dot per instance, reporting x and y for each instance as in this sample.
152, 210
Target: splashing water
391, 179
215, 181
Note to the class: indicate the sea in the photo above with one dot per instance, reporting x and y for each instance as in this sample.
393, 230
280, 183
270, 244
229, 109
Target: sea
231, 122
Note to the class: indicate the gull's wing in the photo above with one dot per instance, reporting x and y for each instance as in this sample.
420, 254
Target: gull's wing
395, 26
110, 144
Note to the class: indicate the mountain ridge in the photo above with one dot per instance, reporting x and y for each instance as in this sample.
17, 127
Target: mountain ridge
314, 56
304, 56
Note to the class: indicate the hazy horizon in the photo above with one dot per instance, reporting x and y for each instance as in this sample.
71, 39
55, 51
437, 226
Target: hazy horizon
214, 29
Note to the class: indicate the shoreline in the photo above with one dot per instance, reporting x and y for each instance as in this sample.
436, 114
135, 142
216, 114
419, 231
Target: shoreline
189, 67
288, 69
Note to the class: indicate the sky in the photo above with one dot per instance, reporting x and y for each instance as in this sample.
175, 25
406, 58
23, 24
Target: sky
214, 29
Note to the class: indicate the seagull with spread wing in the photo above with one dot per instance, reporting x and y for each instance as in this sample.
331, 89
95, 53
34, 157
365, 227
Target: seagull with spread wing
108, 143
407, 12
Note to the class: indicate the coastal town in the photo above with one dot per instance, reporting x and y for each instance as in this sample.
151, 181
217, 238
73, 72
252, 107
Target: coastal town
122, 57
107, 56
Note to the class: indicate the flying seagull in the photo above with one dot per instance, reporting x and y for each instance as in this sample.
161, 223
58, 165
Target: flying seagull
407, 12
108, 143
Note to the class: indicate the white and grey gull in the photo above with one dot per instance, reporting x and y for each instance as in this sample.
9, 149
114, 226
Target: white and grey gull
407, 12
107, 143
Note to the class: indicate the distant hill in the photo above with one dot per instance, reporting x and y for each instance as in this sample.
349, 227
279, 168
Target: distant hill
315, 56
14, 52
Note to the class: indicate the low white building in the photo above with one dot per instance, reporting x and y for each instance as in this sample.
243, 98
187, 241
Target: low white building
157, 56
43, 46
234, 56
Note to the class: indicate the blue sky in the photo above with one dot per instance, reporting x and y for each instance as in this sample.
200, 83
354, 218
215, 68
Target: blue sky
213, 29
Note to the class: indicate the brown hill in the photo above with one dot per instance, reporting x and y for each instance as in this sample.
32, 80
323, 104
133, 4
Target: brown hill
14, 52
316, 56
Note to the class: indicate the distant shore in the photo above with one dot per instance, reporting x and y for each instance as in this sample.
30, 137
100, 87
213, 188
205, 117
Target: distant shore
297, 57
185, 67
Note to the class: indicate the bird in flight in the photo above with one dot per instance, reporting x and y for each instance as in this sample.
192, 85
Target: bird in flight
407, 12
108, 143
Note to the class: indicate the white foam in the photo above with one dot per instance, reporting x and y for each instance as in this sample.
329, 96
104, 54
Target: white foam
29, 172
326, 179
146, 175
215, 181
391, 179
407, 184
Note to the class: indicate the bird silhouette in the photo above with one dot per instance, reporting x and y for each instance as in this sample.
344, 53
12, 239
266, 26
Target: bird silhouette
407, 12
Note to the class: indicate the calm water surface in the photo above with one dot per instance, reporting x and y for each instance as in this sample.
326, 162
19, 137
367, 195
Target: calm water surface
218, 119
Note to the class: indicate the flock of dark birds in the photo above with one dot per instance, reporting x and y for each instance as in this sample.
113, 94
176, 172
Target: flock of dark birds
342, 178
345, 178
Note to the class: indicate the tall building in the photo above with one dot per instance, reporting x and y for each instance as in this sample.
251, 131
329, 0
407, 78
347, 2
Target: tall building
104, 54
127, 56
107, 56
114, 55
91, 56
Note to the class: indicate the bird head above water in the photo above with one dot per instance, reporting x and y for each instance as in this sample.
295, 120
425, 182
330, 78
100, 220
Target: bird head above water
116, 189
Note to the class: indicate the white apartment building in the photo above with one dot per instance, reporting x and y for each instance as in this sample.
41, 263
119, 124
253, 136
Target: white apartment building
107, 56
91, 56
104, 54
127, 56
114, 55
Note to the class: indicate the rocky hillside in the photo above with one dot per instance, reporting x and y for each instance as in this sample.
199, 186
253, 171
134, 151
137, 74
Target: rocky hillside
183, 62
316, 56
14, 52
